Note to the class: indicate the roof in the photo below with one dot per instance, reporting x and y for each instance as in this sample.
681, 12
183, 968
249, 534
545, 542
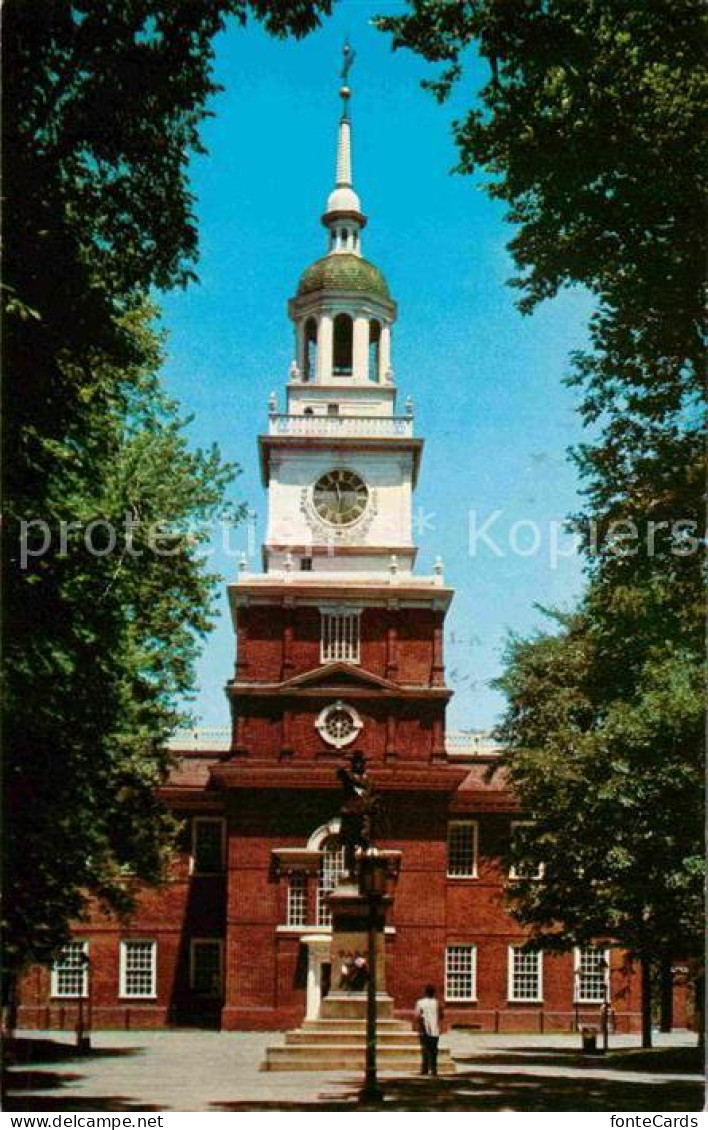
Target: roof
343, 271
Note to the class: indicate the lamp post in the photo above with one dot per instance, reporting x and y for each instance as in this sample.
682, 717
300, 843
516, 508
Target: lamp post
83, 1039
372, 885
604, 965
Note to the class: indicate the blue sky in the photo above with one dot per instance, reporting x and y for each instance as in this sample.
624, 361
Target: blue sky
486, 381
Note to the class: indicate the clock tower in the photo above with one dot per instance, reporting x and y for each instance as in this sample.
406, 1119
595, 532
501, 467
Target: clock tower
339, 640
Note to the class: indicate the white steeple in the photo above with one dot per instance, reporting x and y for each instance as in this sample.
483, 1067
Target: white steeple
343, 216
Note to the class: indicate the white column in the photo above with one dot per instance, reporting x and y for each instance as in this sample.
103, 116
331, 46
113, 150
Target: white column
384, 353
314, 984
325, 338
360, 359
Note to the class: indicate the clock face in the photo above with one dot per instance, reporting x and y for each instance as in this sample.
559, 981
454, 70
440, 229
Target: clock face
340, 497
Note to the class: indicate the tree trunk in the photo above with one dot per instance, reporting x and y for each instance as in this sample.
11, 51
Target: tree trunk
667, 996
646, 1002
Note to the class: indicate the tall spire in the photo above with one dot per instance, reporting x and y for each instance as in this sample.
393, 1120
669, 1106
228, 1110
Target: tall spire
344, 143
343, 216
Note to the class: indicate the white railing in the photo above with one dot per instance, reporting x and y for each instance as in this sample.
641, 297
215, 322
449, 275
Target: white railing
287, 425
471, 743
203, 739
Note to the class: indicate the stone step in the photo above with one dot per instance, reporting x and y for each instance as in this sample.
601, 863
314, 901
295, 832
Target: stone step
332, 1025
353, 1036
353, 1005
396, 1060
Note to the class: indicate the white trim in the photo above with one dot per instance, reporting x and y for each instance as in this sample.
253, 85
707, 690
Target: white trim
473, 874
193, 853
513, 873
193, 943
322, 931
125, 942
54, 985
511, 996
472, 947
318, 837
577, 999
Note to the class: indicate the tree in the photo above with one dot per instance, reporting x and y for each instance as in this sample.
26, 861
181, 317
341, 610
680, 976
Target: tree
589, 128
104, 101
613, 787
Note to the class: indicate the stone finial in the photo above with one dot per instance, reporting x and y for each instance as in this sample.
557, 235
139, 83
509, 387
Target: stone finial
393, 569
390, 376
273, 403
294, 371
439, 571
243, 563
409, 406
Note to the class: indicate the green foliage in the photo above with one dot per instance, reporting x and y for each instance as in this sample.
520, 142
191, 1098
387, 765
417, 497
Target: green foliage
103, 104
613, 785
590, 127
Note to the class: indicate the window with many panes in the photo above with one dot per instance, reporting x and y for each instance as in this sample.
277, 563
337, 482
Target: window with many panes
297, 899
461, 973
331, 869
592, 972
340, 637
462, 849
520, 869
525, 974
205, 977
207, 845
70, 971
138, 968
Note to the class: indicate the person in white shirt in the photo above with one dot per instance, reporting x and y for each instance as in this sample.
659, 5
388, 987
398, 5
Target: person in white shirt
428, 1015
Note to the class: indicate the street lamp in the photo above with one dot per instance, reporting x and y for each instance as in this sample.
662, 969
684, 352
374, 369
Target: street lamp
83, 1039
372, 886
605, 967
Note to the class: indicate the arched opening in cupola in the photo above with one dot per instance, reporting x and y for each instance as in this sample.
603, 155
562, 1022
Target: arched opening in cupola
310, 350
343, 346
374, 349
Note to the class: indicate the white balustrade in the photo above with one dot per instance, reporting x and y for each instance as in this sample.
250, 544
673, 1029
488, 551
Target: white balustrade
301, 425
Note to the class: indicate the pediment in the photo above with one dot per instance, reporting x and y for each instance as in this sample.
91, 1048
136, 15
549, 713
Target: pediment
339, 675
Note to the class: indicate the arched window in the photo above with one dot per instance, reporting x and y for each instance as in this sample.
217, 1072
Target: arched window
331, 870
343, 346
308, 411
374, 349
310, 350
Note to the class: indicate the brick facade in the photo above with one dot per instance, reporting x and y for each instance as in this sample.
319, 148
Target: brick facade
273, 792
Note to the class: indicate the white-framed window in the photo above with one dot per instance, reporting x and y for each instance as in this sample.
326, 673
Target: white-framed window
461, 973
206, 966
207, 845
297, 899
525, 974
592, 974
521, 870
340, 636
70, 971
462, 837
138, 968
331, 869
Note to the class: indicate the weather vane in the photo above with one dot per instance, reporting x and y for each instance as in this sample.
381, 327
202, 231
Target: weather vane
348, 56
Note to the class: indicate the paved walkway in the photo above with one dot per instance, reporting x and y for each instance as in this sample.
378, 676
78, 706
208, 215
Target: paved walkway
213, 1071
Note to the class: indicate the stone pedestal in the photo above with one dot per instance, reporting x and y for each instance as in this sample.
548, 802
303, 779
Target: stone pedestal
350, 931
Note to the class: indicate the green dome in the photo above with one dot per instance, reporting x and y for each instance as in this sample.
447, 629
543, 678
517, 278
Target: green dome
344, 272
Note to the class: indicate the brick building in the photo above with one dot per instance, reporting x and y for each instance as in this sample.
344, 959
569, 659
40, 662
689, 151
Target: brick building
339, 649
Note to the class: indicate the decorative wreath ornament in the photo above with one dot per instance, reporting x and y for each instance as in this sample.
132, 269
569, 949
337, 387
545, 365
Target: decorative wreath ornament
338, 724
